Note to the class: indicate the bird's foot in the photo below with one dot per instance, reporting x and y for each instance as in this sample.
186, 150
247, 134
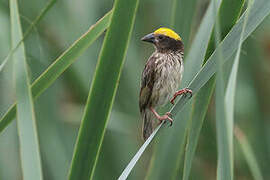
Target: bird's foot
165, 117
184, 91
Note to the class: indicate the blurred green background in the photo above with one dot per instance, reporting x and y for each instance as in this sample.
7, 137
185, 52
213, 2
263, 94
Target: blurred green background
59, 110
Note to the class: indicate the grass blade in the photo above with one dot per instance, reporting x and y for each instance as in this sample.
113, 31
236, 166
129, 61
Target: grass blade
225, 161
248, 153
103, 90
182, 18
231, 87
257, 13
201, 103
46, 79
194, 59
29, 146
28, 31
198, 113
228, 46
224, 168
229, 105
137, 156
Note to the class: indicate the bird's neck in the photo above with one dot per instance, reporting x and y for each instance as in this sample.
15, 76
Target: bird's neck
178, 52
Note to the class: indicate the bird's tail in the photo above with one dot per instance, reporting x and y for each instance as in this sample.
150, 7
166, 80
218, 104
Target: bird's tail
148, 123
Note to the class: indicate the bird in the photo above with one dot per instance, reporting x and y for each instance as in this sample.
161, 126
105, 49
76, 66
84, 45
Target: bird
161, 77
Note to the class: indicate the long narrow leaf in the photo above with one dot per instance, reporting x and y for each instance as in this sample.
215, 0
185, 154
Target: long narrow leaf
257, 13
137, 156
46, 79
228, 46
182, 18
199, 110
225, 161
30, 28
230, 95
29, 146
103, 90
227, 20
248, 153
231, 88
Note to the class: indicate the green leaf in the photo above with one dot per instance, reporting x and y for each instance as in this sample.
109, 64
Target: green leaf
257, 13
28, 31
195, 57
224, 165
231, 40
46, 79
199, 110
29, 146
225, 120
103, 90
137, 156
227, 20
228, 46
248, 153
182, 17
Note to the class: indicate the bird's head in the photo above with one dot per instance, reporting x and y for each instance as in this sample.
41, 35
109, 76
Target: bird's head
165, 40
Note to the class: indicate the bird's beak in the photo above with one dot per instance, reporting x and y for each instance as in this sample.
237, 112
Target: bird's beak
149, 38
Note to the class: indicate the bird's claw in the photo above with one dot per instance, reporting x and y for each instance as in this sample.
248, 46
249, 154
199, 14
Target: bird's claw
166, 117
183, 92
172, 100
168, 113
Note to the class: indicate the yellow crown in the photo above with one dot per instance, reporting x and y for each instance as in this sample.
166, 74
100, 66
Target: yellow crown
168, 32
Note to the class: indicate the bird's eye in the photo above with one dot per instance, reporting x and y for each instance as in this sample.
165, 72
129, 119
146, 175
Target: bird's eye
160, 37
